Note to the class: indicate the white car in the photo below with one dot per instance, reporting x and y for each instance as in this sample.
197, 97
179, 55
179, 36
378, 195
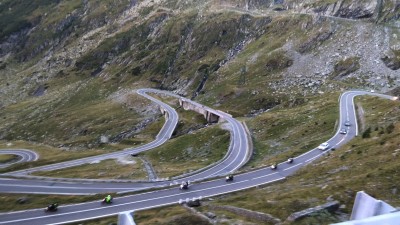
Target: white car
323, 146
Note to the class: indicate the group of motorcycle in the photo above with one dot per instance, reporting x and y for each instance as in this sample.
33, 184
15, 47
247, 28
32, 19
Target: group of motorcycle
184, 186
275, 165
54, 206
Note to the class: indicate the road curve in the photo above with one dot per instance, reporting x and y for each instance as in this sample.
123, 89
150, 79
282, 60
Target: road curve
164, 134
169, 196
24, 155
237, 155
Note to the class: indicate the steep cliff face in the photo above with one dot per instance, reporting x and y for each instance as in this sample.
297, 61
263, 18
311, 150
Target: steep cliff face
377, 10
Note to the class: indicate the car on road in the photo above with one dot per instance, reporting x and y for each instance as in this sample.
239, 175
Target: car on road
323, 146
347, 123
343, 131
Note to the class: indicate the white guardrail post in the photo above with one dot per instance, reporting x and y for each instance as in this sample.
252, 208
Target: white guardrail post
126, 218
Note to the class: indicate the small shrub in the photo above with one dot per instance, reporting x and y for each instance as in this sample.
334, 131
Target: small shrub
390, 128
367, 133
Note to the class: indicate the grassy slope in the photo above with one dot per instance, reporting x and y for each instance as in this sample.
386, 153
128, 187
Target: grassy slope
107, 169
7, 158
189, 152
286, 132
313, 184
63, 116
369, 164
172, 215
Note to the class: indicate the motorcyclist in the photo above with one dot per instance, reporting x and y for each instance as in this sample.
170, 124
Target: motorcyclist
108, 199
52, 207
185, 185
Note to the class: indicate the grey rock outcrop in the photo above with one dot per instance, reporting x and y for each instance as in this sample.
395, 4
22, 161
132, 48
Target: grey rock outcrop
330, 207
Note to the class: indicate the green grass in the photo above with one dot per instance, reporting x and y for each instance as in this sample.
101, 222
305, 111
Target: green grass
286, 132
14, 14
79, 118
363, 164
106, 169
41, 201
5, 158
47, 154
171, 215
243, 86
113, 220
189, 152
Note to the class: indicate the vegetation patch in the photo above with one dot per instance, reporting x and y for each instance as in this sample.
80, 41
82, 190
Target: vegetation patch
363, 164
277, 61
314, 41
345, 67
392, 60
17, 202
287, 132
174, 215
189, 152
121, 168
5, 158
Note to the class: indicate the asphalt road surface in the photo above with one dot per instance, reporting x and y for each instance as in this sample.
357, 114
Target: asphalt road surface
172, 195
237, 154
24, 155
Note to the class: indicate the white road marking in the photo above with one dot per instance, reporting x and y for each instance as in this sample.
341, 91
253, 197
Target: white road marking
127, 203
299, 164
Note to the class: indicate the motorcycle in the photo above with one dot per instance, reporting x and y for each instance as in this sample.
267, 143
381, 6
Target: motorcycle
104, 201
51, 208
184, 185
229, 178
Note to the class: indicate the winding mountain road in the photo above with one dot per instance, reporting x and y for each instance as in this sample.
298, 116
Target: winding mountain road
169, 196
24, 155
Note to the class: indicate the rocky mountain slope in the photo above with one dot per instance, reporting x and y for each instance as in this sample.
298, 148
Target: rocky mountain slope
62, 59
68, 70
